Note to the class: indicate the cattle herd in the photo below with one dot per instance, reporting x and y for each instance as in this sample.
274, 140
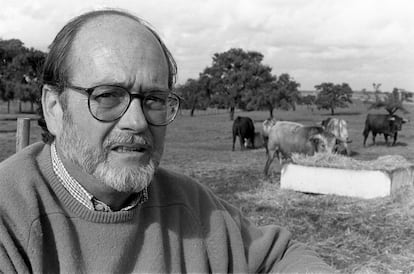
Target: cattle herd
282, 138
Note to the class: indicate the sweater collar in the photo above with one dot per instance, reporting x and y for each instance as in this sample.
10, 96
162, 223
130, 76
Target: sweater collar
72, 206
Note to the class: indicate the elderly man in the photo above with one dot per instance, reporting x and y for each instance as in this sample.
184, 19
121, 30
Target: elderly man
91, 197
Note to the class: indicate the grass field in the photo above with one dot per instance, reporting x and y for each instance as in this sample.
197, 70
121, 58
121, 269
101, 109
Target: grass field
354, 235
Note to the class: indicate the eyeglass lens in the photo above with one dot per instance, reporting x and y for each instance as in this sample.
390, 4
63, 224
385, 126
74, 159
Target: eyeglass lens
108, 103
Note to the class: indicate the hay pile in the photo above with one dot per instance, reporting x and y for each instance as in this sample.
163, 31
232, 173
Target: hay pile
387, 162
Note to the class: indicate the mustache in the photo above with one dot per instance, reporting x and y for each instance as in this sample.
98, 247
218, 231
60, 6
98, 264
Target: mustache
129, 139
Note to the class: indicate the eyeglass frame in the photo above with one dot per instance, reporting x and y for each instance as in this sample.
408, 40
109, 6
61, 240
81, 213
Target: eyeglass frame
140, 96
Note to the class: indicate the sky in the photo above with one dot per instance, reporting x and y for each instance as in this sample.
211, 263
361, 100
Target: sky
359, 42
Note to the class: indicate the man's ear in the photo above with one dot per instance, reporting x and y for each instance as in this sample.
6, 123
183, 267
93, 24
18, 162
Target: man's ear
52, 109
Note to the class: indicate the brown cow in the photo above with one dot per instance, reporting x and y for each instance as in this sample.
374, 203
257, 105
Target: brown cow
287, 137
338, 127
267, 125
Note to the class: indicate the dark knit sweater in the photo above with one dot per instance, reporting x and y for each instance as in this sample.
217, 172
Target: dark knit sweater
183, 227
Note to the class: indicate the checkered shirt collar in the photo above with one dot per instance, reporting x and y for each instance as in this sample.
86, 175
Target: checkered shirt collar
81, 194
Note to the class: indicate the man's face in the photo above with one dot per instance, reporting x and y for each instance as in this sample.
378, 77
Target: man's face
122, 154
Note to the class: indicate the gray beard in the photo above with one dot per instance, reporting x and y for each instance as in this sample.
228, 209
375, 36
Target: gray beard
95, 161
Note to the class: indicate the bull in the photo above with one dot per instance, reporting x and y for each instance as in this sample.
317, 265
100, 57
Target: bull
338, 127
386, 124
286, 138
243, 128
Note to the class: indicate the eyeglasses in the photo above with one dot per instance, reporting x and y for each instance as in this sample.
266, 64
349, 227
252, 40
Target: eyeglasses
108, 103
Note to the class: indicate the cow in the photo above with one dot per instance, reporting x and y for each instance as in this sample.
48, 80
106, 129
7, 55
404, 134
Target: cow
243, 127
386, 124
338, 127
258, 141
287, 137
266, 126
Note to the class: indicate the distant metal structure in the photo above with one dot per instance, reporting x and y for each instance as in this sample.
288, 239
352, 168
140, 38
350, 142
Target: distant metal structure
22, 133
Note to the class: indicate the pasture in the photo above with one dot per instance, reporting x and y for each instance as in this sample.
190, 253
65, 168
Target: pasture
353, 235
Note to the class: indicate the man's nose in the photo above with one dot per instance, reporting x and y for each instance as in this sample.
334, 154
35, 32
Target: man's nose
133, 119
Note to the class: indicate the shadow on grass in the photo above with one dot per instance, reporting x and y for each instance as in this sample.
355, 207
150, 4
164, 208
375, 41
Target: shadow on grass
383, 144
354, 153
342, 113
301, 120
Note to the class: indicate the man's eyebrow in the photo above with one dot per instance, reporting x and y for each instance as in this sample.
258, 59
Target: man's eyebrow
129, 87
109, 83
142, 89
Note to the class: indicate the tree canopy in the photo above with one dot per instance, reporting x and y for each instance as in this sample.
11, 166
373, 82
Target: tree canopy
20, 70
308, 100
277, 92
233, 74
331, 96
193, 95
239, 79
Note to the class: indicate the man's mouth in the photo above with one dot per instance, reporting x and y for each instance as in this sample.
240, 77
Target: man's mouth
130, 148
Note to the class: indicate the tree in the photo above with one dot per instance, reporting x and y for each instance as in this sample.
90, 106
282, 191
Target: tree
28, 68
333, 96
259, 92
10, 49
232, 74
288, 94
194, 96
308, 100
20, 69
262, 98
393, 102
282, 93
7, 94
30, 92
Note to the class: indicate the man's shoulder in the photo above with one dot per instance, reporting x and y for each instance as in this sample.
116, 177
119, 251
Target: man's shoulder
174, 181
23, 193
19, 166
175, 188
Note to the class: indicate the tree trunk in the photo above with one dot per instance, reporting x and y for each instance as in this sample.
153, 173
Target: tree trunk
20, 106
332, 111
8, 106
31, 107
192, 111
271, 112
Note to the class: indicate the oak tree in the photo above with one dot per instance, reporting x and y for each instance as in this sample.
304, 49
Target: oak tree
331, 96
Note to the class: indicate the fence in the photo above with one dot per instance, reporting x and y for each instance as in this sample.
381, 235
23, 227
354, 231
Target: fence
22, 133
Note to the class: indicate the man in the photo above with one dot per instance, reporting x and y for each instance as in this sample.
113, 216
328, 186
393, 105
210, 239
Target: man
92, 199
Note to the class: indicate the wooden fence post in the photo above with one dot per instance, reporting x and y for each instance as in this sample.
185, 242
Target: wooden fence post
22, 133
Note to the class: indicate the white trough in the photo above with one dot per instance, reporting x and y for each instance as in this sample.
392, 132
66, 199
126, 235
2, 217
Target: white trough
345, 182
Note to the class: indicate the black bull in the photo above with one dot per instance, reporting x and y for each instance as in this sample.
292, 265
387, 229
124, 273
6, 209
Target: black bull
386, 124
244, 128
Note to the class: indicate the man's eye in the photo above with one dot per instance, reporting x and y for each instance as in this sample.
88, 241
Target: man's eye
154, 99
108, 95
155, 102
108, 92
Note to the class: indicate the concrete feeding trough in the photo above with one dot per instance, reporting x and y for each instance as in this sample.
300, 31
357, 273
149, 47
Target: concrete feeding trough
328, 174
